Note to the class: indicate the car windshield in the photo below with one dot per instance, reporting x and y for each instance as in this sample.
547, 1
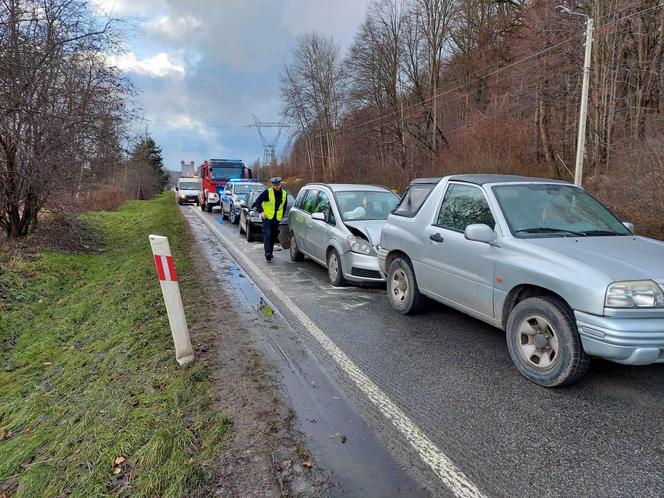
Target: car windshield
245, 189
225, 173
365, 205
548, 210
189, 185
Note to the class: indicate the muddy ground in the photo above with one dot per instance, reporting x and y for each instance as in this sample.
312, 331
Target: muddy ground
265, 453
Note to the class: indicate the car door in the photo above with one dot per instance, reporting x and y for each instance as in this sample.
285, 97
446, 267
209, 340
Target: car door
228, 190
458, 270
301, 222
318, 231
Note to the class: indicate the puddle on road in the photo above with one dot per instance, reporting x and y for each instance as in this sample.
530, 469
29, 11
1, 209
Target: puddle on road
249, 297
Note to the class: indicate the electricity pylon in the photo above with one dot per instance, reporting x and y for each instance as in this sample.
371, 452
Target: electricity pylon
269, 146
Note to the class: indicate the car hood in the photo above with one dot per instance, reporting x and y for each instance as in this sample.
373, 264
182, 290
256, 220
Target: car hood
621, 258
370, 228
188, 192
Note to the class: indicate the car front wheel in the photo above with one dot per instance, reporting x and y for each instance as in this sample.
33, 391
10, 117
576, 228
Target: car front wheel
233, 215
334, 271
544, 343
295, 254
402, 290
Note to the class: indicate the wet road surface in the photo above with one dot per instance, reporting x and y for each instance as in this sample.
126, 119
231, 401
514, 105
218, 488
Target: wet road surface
452, 377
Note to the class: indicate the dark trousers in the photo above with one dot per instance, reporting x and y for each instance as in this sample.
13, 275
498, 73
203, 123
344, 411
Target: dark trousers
270, 235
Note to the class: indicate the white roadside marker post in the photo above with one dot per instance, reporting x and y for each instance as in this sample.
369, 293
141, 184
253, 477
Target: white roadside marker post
171, 291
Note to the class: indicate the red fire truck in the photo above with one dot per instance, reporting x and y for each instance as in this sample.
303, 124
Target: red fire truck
214, 174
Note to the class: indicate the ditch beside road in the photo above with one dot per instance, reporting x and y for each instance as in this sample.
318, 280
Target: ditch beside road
452, 377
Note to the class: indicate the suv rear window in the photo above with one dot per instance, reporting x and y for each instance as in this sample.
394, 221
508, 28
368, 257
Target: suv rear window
412, 200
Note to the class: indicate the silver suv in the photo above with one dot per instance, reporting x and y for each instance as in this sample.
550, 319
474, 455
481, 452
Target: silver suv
339, 227
541, 259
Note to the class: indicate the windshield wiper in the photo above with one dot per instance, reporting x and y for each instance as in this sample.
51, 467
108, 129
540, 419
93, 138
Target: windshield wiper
549, 230
602, 232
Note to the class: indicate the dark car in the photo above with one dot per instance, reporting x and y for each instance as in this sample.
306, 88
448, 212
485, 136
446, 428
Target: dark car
251, 223
235, 192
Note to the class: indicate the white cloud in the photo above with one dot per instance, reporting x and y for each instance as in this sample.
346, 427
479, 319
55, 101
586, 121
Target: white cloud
115, 8
158, 66
175, 28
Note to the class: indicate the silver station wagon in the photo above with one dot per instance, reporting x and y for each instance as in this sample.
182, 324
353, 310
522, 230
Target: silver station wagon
541, 259
339, 227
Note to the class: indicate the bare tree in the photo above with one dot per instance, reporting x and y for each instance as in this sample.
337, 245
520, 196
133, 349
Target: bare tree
374, 71
313, 88
57, 96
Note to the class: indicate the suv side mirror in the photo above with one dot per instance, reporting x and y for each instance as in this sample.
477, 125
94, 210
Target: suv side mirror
629, 226
480, 233
177, 189
318, 216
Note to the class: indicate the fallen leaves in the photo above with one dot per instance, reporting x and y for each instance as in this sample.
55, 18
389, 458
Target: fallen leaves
117, 464
307, 464
6, 434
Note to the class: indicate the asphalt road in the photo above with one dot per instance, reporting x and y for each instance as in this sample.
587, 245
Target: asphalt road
453, 378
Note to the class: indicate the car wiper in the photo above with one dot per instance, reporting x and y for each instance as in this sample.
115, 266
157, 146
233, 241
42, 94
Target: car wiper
549, 230
602, 232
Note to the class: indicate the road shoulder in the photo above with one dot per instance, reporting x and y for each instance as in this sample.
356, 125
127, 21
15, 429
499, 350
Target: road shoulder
353, 456
265, 453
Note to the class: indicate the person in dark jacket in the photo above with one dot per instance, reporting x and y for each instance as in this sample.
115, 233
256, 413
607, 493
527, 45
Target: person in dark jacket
271, 204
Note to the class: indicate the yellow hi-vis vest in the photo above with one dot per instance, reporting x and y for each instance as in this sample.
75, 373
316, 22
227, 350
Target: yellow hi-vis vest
269, 206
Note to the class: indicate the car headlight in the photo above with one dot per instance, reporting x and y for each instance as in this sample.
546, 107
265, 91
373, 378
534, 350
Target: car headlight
359, 245
182, 196
635, 294
255, 216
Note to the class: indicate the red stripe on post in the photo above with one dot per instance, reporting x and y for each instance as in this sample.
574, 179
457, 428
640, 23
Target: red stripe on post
160, 267
171, 268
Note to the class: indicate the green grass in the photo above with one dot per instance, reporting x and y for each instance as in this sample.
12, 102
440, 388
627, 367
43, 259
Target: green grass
88, 371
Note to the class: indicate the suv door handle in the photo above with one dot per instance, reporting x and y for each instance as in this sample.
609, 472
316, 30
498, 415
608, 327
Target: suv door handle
436, 237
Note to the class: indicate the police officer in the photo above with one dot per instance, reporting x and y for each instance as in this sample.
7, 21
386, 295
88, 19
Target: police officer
271, 204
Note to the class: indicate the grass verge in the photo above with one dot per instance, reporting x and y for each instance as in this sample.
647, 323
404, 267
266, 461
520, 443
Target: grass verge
92, 401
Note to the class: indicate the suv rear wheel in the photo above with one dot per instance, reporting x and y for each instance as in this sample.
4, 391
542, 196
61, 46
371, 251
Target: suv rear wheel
544, 343
402, 290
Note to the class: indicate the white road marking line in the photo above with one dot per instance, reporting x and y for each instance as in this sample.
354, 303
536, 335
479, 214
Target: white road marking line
442, 466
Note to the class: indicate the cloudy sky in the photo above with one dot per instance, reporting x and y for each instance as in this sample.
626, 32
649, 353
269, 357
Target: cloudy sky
202, 67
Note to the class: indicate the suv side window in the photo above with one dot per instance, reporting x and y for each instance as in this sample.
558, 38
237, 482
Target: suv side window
309, 200
464, 205
412, 200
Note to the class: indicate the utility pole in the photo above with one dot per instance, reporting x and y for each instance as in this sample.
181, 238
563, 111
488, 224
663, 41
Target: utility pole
583, 114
